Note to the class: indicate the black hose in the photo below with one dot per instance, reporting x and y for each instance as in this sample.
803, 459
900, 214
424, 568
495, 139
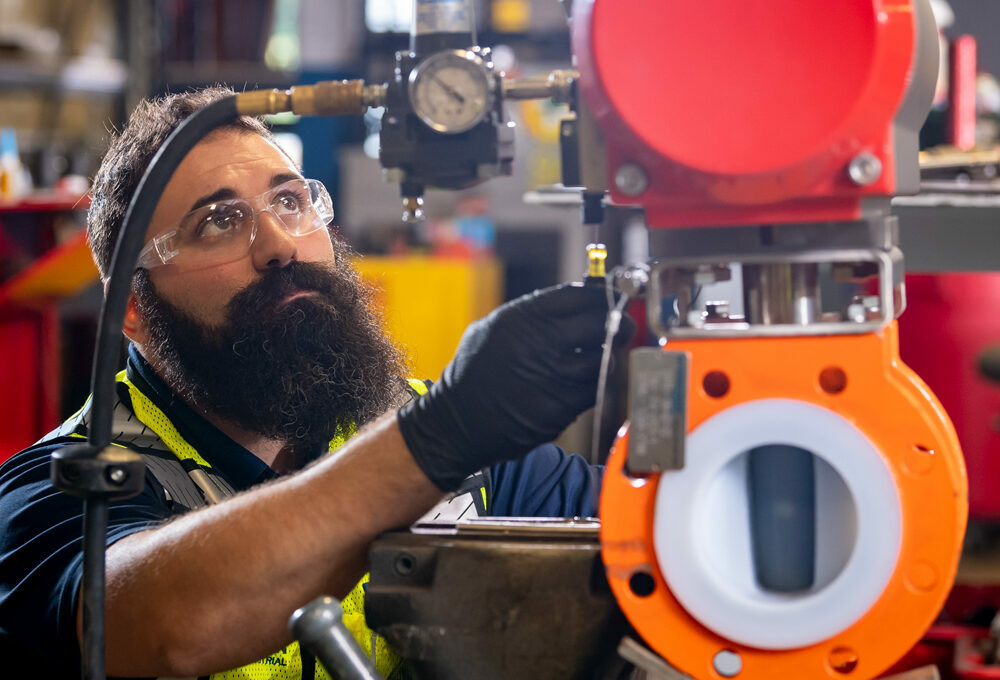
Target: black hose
130, 243
95, 523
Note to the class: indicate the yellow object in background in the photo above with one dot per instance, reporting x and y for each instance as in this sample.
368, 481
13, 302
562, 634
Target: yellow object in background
510, 16
427, 302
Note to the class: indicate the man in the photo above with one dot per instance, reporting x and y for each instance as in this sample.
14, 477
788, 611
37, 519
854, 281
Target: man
254, 351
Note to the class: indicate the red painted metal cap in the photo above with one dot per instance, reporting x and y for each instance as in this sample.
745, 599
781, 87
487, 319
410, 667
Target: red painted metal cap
736, 87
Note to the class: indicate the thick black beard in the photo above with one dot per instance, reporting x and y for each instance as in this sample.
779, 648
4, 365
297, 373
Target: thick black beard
302, 373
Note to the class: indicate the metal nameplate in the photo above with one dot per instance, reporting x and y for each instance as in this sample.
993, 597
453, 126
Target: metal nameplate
657, 409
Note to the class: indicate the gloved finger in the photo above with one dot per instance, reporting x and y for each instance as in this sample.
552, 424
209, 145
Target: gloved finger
579, 366
565, 299
586, 328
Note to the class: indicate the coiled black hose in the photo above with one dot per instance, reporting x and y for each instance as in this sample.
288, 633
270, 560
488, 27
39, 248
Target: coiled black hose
130, 243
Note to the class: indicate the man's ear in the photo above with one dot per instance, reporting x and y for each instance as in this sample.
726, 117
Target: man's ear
134, 326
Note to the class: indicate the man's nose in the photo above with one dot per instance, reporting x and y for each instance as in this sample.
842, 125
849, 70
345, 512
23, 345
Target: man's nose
273, 246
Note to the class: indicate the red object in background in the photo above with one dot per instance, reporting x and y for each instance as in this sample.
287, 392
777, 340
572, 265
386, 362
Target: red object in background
29, 375
949, 320
955, 649
35, 274
677, 86
962, 93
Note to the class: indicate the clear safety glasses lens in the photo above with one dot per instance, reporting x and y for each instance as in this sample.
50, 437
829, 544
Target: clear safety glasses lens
223, 231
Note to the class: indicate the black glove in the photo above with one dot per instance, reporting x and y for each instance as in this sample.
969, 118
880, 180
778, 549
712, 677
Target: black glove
518, 378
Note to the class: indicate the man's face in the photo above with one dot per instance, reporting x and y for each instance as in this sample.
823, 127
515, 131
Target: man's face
229, 164
281, 341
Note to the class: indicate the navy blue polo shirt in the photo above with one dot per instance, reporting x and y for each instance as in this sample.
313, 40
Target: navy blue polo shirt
41, 528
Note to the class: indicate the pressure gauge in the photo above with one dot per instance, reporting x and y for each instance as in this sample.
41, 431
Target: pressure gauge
451, 91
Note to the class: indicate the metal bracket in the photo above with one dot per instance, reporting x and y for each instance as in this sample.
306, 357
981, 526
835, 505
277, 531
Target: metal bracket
114, 473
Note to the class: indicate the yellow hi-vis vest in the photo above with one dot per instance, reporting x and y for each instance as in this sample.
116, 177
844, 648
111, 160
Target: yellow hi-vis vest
190, 482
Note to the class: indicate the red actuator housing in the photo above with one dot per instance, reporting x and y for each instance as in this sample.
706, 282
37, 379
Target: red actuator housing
735, 112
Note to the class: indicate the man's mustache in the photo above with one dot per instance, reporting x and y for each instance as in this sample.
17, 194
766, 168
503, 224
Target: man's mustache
277, 284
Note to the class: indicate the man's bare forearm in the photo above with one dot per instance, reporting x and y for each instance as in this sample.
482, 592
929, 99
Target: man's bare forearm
214, 589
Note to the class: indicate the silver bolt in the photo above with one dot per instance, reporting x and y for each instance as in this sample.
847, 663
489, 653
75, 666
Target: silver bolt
717, 309
865, 168
856, 310
117, 475
727, 663
413, 209
631, 179
860, 307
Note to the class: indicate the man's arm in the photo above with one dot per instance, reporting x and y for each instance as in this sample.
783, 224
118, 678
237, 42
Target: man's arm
214, 589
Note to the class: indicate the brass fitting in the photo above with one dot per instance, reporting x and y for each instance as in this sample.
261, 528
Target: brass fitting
597, 253
326, 98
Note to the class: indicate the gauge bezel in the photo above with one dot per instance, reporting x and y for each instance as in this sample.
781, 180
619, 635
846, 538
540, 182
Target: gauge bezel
467, 56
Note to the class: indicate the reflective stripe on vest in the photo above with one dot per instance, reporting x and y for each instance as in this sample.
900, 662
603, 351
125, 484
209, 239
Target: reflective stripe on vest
189, 481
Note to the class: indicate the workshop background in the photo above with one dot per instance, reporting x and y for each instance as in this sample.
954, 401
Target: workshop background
71, 70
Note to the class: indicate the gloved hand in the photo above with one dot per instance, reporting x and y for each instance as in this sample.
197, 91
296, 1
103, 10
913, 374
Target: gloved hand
518, 378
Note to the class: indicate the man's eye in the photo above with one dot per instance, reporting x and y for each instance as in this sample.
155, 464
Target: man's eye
288, 203
220, 222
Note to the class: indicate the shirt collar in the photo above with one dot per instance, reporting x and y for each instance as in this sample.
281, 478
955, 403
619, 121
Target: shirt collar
234, 462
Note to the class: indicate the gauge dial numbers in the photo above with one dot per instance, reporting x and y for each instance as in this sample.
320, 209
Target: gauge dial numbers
451, 91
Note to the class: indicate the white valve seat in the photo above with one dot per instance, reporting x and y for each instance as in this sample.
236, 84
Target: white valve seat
702, 526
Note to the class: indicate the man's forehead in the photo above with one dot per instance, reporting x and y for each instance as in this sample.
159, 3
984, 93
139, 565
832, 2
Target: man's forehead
241, 161
232, 154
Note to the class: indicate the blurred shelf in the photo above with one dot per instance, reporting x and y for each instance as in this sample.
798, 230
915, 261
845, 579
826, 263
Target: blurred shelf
46, 201
234, 73
953, 195
82, 75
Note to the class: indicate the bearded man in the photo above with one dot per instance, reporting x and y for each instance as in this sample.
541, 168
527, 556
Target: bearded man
254, 353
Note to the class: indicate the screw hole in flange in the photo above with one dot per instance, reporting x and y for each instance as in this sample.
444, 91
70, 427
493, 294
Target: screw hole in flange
715, 384
843, 659
641, 584
833, 380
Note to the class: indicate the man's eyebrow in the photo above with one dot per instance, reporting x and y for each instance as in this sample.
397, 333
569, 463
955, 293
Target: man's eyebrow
226, 193
217, 195
283, 177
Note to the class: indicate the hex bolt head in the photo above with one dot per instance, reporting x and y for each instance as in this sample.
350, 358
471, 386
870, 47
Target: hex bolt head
631, 179
865, 168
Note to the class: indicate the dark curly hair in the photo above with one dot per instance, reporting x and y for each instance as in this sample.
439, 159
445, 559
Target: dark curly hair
130, 152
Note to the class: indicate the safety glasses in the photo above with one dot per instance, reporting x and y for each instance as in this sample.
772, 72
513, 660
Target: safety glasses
224, 231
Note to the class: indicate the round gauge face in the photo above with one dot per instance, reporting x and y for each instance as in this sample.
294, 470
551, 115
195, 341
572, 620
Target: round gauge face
450, 91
